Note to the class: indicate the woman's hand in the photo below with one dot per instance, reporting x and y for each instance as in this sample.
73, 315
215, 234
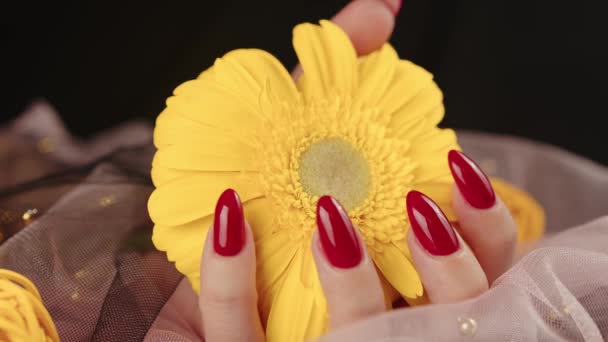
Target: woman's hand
453, 265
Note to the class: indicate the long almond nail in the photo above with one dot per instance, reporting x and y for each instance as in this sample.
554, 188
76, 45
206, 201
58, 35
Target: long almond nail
337, 234
430, 225
228, 224
473, 184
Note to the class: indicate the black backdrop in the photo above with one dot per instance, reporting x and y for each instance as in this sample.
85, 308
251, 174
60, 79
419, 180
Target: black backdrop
533, 68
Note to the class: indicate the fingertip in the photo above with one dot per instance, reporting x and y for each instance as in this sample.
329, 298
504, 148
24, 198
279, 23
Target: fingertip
395, 6
368, 23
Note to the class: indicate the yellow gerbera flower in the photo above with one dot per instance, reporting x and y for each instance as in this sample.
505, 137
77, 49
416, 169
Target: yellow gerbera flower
363, 130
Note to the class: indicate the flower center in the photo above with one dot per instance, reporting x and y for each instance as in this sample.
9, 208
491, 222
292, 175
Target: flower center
334, 167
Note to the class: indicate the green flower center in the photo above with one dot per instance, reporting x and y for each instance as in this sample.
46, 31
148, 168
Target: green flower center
334, 167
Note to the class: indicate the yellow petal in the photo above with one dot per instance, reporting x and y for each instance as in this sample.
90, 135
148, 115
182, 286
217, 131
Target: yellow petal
162, 175
422, 112
294, 315
407, 83
230, 93
174, 129
376, 72
328, 59
250, 70
189, 198
430, 150
399, 271
274, 254
184, 246
260, 214
390, 294
211, 104
223, 156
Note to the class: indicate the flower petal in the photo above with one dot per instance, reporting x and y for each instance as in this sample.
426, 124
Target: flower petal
422, 112
174, 129
408, 82
376, 72
274, 248
294, 315
250, 70
399, 271
229, 93
209, 103
328, 59
261, 217
184, 245
431, 150
223, 156
189, 198
162, 175
274, 254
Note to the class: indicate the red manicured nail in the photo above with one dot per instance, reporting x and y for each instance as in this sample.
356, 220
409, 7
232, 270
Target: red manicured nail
430, 225
337, 235
228, 224
473, 184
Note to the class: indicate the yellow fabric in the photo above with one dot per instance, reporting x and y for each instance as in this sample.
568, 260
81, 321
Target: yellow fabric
244, 124
23, 317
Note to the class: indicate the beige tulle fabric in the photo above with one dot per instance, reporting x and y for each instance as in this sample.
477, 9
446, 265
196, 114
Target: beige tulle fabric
557, 292
87, 247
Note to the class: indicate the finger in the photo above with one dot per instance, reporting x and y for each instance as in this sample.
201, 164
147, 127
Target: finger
485, 222
448, 269
368, 23
348, 276
228, 297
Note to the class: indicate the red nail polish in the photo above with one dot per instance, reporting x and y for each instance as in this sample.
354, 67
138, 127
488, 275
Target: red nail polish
228, 224
337, 235
471, 181
430, 225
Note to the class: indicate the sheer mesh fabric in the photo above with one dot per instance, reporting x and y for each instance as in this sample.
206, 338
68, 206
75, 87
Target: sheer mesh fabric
557, 292
87, 245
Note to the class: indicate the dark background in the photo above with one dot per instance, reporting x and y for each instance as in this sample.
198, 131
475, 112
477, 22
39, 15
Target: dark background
529, 68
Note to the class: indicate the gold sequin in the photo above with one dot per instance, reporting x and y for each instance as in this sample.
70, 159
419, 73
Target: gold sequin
29, 214
46, 145
75, 296
467, 326
107, 201
80, 274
